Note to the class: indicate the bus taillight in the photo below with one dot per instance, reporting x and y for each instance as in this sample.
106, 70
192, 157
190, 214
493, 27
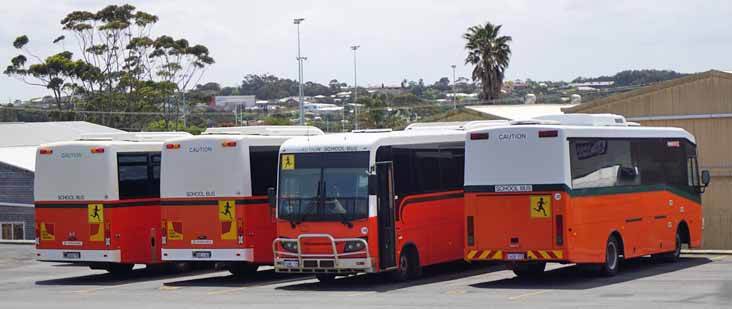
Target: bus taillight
550, 133
477, 136
240, 231
229, 144
97, 150
163, 232
107, 234
471, 231
45, 151
560, 229
38, 234
172, 146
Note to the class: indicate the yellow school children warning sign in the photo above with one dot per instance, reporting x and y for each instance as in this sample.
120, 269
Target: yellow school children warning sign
288, 162
227, 211
95, 213
541, 206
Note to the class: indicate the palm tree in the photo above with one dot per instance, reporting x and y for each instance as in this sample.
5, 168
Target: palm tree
490, 54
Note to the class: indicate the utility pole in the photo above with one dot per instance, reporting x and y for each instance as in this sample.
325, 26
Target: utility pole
454, 98
300, 59
355, 87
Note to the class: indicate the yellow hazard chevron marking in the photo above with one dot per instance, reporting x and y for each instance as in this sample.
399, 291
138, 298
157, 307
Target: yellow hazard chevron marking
484, 255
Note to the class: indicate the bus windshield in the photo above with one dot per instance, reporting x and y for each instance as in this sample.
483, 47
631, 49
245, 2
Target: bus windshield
323, 186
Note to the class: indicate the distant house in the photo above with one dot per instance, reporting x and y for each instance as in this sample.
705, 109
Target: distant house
18, 145
230, 103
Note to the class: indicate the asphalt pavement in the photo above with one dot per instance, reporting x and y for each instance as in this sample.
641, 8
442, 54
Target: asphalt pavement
703, 281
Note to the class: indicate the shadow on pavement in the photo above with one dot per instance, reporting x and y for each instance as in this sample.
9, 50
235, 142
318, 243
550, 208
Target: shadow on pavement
106, 279
573, 278
262, 277
380, 282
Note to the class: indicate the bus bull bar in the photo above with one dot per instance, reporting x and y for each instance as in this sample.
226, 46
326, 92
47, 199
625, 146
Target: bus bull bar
321, 262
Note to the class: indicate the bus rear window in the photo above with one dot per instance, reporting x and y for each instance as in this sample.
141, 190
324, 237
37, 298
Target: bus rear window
139, 175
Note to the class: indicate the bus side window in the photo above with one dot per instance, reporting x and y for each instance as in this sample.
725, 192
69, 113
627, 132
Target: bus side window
263, 167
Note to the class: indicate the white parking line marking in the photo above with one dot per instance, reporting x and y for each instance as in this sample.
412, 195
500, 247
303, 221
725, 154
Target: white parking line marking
527, 295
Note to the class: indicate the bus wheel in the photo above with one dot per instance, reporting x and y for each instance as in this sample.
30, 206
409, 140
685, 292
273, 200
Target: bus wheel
243, 269
612, 257
528, 269
408, 266
119, 269
325, 278
672, 256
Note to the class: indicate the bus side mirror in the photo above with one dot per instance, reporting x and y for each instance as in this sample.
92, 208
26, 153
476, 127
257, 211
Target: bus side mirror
705, 178
271, 197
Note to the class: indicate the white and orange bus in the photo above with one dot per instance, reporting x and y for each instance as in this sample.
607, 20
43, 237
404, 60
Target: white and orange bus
371, 201
214, 195
586, 189
97, 200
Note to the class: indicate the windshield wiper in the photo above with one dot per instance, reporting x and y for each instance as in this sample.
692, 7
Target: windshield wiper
345, 221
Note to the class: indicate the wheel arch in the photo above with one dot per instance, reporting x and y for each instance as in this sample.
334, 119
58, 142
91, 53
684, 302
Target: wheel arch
684, 232
619, 237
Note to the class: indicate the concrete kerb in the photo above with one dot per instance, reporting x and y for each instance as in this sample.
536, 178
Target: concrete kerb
17, 242
700, 251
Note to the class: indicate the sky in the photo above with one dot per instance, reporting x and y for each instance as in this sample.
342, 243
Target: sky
412, 39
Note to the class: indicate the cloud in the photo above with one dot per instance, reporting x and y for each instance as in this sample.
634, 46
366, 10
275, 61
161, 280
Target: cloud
411, 39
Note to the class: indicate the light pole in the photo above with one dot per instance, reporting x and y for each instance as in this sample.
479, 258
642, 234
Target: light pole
454, 98
355, 87
297, 22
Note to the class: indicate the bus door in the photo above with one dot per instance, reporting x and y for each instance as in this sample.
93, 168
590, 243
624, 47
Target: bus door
385, 214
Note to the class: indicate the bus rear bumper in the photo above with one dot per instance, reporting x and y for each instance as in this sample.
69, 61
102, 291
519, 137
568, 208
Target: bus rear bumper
212, 255
515, 255
74, 256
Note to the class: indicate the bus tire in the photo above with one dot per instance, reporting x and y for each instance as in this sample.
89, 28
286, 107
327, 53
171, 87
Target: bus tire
119, 268
528, 269
673, 256
243, 269
325, 278
612, 257
408, 266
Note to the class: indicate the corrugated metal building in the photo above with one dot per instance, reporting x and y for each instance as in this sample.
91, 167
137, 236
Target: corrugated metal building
18, 144
701, 104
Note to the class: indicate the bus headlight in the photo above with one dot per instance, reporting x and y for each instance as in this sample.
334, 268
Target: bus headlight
354, 245
290, 246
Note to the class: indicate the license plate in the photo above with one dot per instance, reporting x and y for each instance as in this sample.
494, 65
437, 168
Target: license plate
202, 242
291, 264
72, 255
516, 256
202, 254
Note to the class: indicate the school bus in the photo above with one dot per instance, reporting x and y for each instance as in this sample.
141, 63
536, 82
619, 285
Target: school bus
371, 201
214, 195
585, 189
97, 200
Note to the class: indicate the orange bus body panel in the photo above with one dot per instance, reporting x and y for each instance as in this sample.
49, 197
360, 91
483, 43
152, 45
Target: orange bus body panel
432, 222
134, 230
646, 221
253, 221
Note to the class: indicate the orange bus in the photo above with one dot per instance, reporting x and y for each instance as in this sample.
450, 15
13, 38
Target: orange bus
214, 195
97, 200
371, 201
585, 189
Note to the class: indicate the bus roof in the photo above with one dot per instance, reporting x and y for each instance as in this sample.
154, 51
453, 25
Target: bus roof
578, 131
457, 125
266, 131
133, 136
371, 140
